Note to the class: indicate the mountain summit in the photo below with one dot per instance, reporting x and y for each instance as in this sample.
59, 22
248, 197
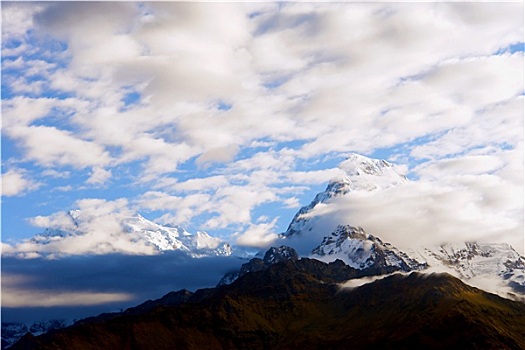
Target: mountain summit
361, 250
357, 173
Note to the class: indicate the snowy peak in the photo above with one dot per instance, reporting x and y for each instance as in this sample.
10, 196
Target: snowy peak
12, 331
277, 255
134, 234
356, 164
477, 261
358, 173
164, 238
361, 250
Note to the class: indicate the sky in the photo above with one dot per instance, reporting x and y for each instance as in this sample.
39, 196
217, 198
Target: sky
228, 117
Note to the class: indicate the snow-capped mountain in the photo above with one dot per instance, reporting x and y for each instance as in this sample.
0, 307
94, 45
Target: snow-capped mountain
197, 245
361, 250
477, 261
135, 231
12, 331
357, 173
473, 262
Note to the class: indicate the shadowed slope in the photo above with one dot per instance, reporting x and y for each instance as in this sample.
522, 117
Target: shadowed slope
298, 304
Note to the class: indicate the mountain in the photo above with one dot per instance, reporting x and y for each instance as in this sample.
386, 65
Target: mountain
357, 173
473, 262
361, 250
272, 256
477, 261
197, 245
12, 331
302, 304
134, 230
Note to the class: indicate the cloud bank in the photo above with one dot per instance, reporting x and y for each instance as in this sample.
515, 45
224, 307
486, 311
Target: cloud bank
84, 286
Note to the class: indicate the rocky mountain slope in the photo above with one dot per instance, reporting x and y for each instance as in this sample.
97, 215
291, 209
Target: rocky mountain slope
477, 261
300, 304
361, 250
272, 256
12, 331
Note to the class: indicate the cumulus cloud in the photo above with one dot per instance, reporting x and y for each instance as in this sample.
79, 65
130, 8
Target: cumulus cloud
16, 182
482, 209
180, 209
95, 228
51, 146
99, 176
221, 155
258, 235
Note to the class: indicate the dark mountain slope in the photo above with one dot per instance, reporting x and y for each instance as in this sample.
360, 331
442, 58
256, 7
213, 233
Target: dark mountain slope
298, 304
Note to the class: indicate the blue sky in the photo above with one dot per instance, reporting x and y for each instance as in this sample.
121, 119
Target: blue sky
229, 124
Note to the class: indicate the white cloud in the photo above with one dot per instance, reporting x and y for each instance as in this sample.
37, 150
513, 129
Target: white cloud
468, 165
99, 176
17, 19
16, 182
51, 146
19, 297
470, 208
96, 228
258, 235
181, 209
292, 202
217, 155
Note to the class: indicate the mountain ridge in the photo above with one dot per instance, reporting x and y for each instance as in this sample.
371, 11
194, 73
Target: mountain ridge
300, 304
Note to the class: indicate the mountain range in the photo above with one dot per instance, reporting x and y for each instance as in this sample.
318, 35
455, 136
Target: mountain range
470, 261
305, 304
310, 285
140, 230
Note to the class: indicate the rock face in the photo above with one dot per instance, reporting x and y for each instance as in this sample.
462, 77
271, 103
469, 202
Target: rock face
299, 304
361, 250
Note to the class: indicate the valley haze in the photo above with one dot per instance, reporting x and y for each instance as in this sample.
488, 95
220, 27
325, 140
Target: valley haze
153, 146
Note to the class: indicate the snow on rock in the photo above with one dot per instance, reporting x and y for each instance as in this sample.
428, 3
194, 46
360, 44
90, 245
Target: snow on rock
472, 262
197, 245
277, 255
361, 250
12, 331
478, 261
